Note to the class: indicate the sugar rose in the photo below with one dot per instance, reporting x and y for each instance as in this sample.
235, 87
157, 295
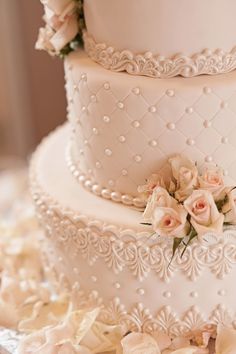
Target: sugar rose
139, 343
185, 174
159, 198
212, 180
229, 209
205, 216
152, 182
61, 25
170, 222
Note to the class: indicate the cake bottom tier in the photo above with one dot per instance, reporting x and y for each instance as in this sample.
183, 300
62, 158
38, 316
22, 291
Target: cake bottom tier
117, 262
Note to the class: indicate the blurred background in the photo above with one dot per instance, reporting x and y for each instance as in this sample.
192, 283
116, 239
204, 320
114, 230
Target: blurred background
32, 98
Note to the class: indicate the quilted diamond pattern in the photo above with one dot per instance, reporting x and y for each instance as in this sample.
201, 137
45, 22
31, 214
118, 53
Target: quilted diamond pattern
126, 127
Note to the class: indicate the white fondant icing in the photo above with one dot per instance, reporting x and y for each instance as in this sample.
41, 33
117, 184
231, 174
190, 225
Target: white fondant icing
163, 27
171, 116
105, 238
159, 66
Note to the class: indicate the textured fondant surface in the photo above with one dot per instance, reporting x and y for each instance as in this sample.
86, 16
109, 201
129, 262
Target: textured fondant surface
163, 27
125, 127
102, 246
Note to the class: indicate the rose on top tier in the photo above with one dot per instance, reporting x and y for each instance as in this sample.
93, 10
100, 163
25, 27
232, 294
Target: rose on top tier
61, 25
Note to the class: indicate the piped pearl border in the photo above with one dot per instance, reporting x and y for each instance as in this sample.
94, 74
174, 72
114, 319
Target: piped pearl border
148, 64
95, 188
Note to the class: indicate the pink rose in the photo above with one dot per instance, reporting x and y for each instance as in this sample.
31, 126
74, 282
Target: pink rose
229, 209
185, 174
212, 180
152, 182
205, 216
159, 198
139, 343
61, 25
170, 222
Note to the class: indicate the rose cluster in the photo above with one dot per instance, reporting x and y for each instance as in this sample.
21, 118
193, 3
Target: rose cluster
62, 25
193, 203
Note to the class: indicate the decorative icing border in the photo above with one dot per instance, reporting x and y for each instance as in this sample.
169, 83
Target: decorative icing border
147, 64
95, 188
130, 249
94, 238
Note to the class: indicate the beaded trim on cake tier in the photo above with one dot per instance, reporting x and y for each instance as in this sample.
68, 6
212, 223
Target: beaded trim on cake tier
140, 252
148, 64
94, 187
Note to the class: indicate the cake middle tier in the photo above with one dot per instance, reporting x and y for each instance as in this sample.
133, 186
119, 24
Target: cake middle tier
126, 127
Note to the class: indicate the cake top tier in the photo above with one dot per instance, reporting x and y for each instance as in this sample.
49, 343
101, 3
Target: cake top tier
164, 27
157, 38
193, 31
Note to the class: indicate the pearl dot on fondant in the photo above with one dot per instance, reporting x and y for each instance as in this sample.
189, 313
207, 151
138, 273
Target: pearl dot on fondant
122, 138
137, 158
136, 90
208, 159
207, 124
167, 294
224, 140
153, 143
170, 93
94, 278
189, 110
81, 151
75, 270
98, 164
106, 119
136, 124
76, 87
140, 291
207, 90
108, 152
93, 98
106, 86
111, 183
95, 131
124, 172
225, 173
120, 105
194, 294
222, 292
190, 142
86, 142
83, 76
117, 285
60, 259
83, 109
171, 126
152, 109
224, 104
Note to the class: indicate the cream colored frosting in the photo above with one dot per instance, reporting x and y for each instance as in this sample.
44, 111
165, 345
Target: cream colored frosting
125, 127
164, 27
101, 246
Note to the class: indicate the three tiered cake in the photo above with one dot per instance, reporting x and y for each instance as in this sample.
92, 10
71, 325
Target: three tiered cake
136, 98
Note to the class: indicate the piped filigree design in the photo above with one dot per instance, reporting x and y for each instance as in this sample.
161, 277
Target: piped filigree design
131, 249
148, 64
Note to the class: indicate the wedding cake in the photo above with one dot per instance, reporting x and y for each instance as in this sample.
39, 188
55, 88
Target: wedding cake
147, 131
